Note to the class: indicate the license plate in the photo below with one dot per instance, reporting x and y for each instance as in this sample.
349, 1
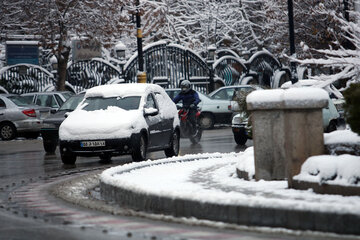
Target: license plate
92, 144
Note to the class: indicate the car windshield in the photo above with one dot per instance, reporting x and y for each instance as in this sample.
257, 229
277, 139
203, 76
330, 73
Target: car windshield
98, 103
19, 100
72, 103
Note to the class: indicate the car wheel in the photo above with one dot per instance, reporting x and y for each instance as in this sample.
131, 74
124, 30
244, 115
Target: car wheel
139, 151
207, 121
196, 137
7, 131
68, 158
240, 137
332, 127
49, 146
173, 150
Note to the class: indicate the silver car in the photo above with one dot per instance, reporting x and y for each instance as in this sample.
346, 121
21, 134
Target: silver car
17, 118
54, 100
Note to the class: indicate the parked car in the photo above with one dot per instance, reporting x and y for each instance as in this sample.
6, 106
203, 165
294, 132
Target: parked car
17, 118
50, 127
121, 119
213, 111
242, 130
227, 92
48, 99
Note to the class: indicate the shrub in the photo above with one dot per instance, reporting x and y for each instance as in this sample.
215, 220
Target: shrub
352, 107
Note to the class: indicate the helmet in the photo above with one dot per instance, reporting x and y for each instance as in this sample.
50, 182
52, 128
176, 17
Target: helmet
185, 86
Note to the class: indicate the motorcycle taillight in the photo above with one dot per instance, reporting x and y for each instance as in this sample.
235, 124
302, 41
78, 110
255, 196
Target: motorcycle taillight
29, 112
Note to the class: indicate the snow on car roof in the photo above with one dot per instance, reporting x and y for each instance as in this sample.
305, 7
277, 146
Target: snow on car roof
121, 90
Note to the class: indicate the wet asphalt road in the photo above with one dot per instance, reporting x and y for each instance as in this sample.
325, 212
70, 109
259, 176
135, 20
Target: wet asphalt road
29, 213
24, 162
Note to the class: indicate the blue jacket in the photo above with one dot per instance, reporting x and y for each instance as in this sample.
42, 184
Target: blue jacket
191, 97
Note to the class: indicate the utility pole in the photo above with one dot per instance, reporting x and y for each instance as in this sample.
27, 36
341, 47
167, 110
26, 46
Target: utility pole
292, 41
141, 76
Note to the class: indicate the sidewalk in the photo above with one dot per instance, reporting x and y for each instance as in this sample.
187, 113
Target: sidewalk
205, 186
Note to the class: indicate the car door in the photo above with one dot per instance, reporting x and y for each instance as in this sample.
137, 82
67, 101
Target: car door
166, 122
221, 109
153, 122
2, 110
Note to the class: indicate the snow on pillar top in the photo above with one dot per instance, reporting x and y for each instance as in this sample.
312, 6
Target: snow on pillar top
293, 98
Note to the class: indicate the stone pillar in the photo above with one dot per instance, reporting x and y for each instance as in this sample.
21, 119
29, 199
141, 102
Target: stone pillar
287, 129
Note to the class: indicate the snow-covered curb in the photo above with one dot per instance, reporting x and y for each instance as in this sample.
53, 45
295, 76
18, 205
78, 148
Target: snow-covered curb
211, 178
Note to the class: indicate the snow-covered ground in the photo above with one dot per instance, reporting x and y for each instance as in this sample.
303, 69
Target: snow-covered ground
212, 178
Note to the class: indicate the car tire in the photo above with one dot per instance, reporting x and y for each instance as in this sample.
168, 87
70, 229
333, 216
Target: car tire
240, 137
207, 121
139, 150
174, 148
49, 146
7, 131
68, 159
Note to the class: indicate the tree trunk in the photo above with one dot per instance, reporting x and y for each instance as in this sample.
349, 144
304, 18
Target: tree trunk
62, 65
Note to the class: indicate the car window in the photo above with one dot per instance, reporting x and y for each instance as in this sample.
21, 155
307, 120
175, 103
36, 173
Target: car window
46, 101
59, 100
2, 104
150, 103
99, 103
221, 94
72, 103
28, 99
19, 100
67, 95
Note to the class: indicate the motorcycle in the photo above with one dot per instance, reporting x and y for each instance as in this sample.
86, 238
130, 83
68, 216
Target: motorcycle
187, 129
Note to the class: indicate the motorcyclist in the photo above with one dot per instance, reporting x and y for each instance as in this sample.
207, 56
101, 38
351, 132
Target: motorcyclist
190, 99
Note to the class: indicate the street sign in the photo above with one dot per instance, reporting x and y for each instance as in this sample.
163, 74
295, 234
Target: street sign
22, 52
85, 49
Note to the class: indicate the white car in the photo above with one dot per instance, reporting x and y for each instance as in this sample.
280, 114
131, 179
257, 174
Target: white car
212, 110
121, 119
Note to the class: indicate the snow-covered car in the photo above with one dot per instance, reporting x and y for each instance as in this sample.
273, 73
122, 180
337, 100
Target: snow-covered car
50, 127
213, 111
242, 130
17, 118
121, 119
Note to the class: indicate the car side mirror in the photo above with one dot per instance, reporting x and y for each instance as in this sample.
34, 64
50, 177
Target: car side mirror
150, 111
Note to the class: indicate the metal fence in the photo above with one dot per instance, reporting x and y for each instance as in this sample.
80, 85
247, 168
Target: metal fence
24, 78
169, 64
83, 75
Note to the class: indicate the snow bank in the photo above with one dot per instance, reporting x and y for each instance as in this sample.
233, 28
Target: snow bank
339, 170
341, 136
212, 178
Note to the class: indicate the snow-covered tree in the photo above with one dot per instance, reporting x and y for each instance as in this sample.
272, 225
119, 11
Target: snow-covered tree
344, 59
54, 22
